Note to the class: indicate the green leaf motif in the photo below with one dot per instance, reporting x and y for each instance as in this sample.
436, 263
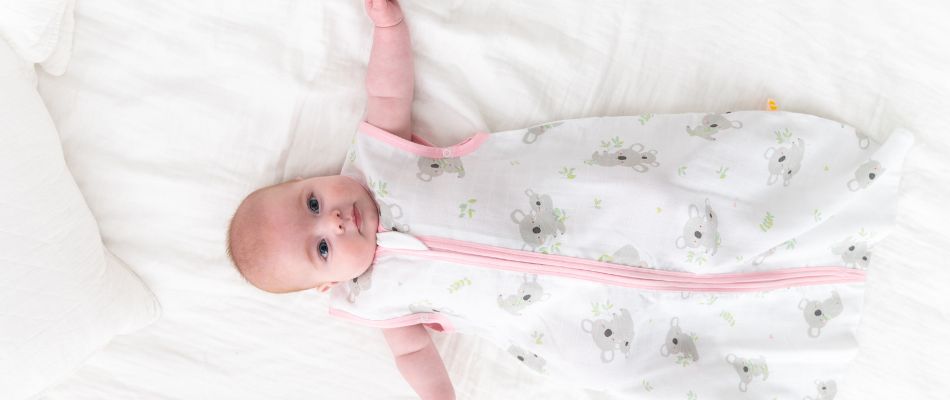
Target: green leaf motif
537, 337
466, 209
597, 203
378, 187
722, 172
817, 215
647, 386
681, 171
727, 316
455, 286
790, 244
690, 395
644, 118
767, 222
783, 136
567, 172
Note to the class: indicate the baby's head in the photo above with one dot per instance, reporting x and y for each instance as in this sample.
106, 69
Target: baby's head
305, 233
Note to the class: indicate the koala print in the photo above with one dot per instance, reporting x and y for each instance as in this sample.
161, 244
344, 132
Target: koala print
628, 255
827, 390
854, 254
818, 313
529, 359
712, 124
540, 223
533, 133
865, 175
387, 217
863, 140
634, 157
430, 168
613, 335
678, 342
529, 293
700, 230
785, 162
747, 369
359, 284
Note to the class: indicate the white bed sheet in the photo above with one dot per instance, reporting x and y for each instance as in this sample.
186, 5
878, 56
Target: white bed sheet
171, 111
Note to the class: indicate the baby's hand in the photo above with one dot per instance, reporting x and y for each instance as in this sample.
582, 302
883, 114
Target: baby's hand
384, 13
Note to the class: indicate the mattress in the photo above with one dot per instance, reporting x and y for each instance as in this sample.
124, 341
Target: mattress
171, 112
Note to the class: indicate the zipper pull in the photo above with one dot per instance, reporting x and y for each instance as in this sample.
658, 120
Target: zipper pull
399, 240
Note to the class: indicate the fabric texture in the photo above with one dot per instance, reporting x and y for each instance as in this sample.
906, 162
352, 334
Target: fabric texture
63, 296
171, 112
39, 31
735, 197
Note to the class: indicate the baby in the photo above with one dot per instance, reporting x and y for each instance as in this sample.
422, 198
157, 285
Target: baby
317, 232
589, 249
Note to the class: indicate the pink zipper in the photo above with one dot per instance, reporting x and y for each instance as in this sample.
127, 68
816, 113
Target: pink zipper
621, 275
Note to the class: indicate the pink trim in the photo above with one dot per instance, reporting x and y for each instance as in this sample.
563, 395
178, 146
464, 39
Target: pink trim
621, 275
426, 149
434, 321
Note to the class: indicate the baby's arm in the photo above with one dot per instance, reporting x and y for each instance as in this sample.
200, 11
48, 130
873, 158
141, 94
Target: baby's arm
419, 362
389, 79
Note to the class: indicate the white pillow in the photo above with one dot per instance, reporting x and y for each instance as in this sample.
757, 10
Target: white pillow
63, 296
39, 31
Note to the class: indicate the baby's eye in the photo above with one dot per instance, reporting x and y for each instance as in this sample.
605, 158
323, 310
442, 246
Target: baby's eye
324, 249
313, 204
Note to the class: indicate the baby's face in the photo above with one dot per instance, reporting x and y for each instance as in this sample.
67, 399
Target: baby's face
307, 233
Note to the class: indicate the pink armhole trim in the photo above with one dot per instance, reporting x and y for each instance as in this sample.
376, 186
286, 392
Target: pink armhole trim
434, 321
424, 148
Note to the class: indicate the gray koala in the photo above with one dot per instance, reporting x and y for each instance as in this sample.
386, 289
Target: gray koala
712, 124
700, 230
679, 343
430, 168
863, 140
533, 133
387, 217
634, 157
865, 175
827, 390
531, 360
529, 293
359, 284
785, 162
627, 255
818, 313
540, 223
609, 336
854, 254
747, 369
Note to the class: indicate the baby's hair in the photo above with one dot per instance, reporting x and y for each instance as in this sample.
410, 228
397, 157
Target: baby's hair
243, 255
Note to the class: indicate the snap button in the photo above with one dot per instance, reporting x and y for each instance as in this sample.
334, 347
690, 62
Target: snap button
446, 153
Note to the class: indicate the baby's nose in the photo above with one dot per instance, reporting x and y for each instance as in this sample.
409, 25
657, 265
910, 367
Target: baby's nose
335, 221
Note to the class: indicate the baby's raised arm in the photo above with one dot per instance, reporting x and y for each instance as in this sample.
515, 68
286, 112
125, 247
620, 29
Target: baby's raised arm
389, 78
389, 85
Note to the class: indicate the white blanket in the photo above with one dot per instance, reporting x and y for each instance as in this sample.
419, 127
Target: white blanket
171, 112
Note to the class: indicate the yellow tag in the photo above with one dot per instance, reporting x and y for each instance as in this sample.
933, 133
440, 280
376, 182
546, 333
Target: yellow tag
772, 105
